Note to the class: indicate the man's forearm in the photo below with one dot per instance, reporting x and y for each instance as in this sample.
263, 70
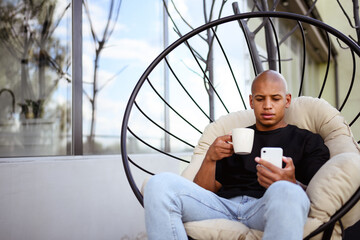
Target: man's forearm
206, 175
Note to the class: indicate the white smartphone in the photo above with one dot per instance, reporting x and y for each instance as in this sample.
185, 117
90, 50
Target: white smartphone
273, 155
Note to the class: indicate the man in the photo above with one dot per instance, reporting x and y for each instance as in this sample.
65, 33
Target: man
244, 188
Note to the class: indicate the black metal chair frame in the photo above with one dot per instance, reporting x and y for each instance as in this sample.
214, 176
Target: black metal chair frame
327, 228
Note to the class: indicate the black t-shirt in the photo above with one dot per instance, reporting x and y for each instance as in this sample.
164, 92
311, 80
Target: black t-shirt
237, 173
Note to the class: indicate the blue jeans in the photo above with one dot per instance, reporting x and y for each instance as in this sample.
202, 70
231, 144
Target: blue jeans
170, 200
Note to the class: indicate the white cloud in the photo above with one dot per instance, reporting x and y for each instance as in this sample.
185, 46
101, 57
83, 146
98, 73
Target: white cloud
122, 49
131, 49
99, 12
109, 115
182, 7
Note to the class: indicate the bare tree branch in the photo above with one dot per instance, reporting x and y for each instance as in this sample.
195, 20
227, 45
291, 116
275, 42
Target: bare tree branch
178, 12
276, 3
190, 69
109, 33
87, 95
112, 78
250, 40
198, 55
297, 26
51, 31
87, 12
99, 46
175, 25
345, 13
356, 19
269, 36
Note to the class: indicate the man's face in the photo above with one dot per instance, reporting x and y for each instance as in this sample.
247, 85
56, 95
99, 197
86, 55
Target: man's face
269, 100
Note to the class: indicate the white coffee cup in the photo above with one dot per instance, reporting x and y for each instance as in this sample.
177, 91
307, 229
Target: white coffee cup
242, 139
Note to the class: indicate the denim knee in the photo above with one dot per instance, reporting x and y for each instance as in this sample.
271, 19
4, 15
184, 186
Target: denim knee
160, 185
287, 193
286, 210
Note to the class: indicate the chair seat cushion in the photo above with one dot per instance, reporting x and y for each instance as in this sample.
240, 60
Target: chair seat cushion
220, 229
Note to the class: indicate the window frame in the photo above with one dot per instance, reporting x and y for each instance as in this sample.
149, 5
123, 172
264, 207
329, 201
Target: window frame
76, 110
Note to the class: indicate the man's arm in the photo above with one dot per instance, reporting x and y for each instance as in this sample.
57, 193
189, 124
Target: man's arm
220, 149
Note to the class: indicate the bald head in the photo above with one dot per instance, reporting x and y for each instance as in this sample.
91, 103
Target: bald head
269, 76
269, 99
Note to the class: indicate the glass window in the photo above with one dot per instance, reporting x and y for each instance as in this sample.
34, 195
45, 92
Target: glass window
120, 39
116, 51
35, 77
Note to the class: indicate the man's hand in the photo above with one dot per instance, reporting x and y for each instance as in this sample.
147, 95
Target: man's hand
220, 149
268, 173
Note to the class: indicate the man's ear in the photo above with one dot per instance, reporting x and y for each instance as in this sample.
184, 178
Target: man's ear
288, 100
251, 101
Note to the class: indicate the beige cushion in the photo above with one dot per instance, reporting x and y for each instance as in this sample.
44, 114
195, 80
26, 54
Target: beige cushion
334, 183
220, 229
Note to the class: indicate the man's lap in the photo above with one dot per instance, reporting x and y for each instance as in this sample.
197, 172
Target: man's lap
194, 203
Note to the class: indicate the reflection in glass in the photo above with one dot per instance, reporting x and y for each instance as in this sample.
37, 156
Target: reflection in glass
120, 39
35, 77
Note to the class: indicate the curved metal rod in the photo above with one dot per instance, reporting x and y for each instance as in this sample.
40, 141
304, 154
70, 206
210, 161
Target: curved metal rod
342, 229
156, 149
231, 70
139, 167
167, 104
354, 120
206, 77
327, 66
186, 91
304, 57
171, 134
352, 81
277, 43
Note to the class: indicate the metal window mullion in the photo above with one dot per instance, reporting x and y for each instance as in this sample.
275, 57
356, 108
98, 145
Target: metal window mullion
166, 80
77, 89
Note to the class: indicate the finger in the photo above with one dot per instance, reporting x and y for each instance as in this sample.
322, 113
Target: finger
225, 147
226, 138
289, 170
220, 145
266, 173
226, 151
267, 164
264, 181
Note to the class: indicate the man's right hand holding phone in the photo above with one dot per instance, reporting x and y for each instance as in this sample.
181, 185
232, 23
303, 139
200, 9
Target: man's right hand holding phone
268, 173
